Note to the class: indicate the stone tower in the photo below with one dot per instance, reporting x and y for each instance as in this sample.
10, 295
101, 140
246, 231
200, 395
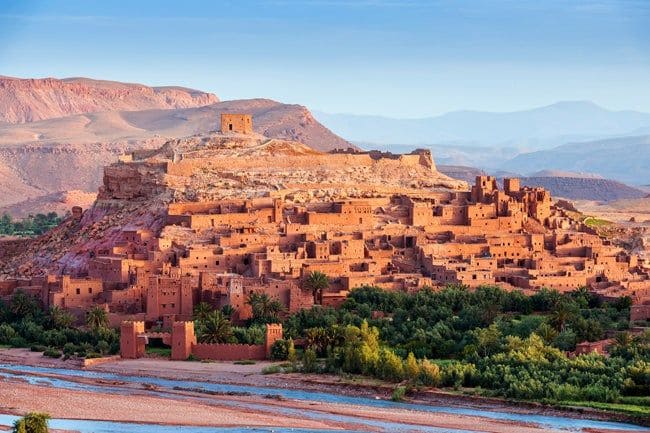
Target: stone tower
239, 123
273, 334
131, 345
183, 338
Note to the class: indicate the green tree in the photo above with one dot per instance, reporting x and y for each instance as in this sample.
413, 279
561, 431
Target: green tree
389, 366
265, 309
411, 367
59, 318
23, 305
547, 332
317, 282
32, 423
291, 352
202, 310
429, 373
214, 328
309, 361
97, 318
563, 312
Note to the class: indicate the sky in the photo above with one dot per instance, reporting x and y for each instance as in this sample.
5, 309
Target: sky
408, 58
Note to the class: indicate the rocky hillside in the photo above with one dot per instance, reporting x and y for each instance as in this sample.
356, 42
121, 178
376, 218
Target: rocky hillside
215, 166
29, 100
45, 157
589, 188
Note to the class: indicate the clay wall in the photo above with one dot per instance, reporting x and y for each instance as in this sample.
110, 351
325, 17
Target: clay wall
229, 352
639, 313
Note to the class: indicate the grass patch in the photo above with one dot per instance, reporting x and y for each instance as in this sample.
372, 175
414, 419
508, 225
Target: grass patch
286, 367
244, 362
639, 409
163, 352
5, 346
596, 222
272, 369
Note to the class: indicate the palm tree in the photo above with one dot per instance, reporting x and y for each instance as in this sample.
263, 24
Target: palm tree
562, 313
547, 332
23, 305
623, 340
60, 318
96, 318
32, 423
201, 310
317, 282
214, 328
265, 309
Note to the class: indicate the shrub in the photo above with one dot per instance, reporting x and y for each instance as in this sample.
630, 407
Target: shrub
38, 348
309, 363
18, 341
103, 347
69, 349
52, 353
272, 369
429, 373
280, 350
32, 423
291, 351
7, 333
411, 368
389, 366
398, 393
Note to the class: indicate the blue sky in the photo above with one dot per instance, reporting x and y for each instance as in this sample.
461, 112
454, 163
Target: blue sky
407, 58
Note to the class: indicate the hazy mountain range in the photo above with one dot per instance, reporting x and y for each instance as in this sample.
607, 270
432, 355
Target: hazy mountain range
574, 136
537, 128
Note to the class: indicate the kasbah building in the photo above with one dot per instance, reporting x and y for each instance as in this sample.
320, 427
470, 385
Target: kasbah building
513, 237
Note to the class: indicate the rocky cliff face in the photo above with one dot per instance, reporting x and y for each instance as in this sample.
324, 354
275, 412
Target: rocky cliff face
29, 100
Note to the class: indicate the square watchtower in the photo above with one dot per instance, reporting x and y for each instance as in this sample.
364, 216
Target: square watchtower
239, 123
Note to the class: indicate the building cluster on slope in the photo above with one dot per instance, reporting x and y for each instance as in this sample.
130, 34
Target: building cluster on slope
221, 251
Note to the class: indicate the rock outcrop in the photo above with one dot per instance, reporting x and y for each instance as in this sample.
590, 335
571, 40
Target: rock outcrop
29, 100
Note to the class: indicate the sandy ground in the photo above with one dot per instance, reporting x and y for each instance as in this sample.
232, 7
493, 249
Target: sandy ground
191, 408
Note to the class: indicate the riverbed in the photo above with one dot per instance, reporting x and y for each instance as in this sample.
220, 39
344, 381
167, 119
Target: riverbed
159, 395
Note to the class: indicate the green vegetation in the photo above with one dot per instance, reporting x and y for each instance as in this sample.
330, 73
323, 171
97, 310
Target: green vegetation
24, 323
30, 226
638, 408
596, 222
499, 343
265, 308
32, 423
159, 351
214, 327
317, 282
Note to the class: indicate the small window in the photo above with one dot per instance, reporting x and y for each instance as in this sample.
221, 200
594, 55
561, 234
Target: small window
90, 290
78, 291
